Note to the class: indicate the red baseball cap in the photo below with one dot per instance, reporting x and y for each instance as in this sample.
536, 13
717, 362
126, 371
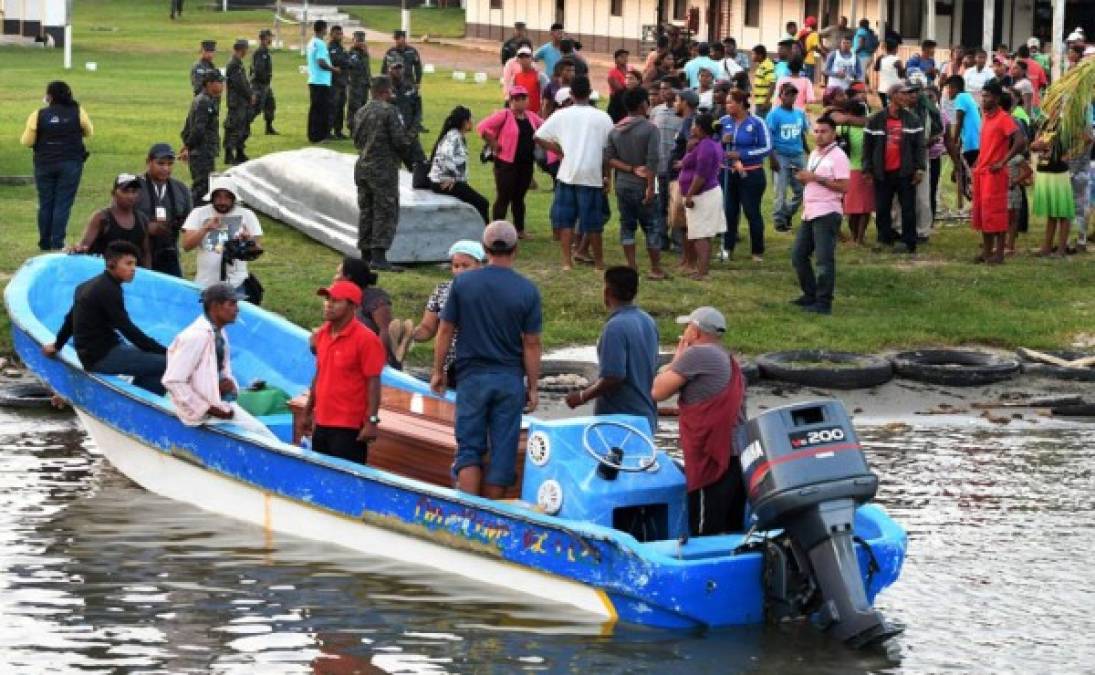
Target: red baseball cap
811, 22
342, 290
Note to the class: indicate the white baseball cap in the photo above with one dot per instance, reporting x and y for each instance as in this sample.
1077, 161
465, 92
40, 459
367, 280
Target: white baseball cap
707, 319
562, 96
222, 183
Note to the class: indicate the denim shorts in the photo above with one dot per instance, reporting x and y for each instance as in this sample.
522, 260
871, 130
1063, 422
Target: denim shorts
582, 205
633, 213
488, 419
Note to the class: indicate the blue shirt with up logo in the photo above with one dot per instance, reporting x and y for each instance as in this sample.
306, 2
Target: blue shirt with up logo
787, 128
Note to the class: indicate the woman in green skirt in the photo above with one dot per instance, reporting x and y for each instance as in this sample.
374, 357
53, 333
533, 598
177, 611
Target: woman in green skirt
1053, 194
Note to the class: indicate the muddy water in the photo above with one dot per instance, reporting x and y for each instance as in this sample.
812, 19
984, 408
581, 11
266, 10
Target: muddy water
96, 573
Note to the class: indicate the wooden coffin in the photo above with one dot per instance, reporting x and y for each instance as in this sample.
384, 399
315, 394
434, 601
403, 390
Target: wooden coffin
417, 438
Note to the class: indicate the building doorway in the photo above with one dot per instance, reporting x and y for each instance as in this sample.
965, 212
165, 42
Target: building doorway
973, 23
560, 12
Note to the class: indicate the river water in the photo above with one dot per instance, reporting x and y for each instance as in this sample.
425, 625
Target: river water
98, 575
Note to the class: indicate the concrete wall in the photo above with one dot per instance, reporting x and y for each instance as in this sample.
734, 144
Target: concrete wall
589, 21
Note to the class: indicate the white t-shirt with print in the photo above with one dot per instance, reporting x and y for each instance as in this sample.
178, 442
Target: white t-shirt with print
239, 220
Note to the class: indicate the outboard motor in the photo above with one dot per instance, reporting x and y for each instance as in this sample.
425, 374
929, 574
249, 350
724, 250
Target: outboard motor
805, 473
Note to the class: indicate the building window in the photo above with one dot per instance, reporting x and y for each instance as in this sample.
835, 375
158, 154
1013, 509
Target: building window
912, 16
496, 4
679, 9
752, 13
617, 7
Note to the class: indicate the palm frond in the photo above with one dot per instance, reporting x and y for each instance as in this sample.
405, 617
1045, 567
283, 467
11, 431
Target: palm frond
1067, 108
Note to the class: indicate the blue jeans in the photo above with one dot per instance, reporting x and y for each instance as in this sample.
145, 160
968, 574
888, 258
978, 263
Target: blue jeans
634, 213
817, 237
145, 367
57, 183
743, 193
488, 419
784, 209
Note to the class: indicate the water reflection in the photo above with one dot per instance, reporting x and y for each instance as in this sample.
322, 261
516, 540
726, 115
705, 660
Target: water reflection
96, 573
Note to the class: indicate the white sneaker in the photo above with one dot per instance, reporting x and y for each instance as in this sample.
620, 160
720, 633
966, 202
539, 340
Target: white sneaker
724, 255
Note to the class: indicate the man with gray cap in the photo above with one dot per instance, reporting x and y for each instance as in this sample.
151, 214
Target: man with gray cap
262, 75
165, 203
201, 135
237, 124
497, 312
198, 377
710, 391
203, 65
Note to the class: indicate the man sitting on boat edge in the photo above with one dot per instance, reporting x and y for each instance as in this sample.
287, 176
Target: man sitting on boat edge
199, 369
712, 422
98, 315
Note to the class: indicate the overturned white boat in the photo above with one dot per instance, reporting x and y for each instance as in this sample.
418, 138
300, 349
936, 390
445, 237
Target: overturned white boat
312, 190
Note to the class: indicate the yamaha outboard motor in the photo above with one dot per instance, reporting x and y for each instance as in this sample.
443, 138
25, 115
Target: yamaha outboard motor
805, 473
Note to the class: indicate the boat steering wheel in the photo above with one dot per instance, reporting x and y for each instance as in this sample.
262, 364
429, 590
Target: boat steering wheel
593, 439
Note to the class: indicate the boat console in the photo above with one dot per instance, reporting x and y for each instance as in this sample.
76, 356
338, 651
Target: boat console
605, 470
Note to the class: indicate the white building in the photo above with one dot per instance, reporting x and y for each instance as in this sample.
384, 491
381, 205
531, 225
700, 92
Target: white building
606, 25
36, 18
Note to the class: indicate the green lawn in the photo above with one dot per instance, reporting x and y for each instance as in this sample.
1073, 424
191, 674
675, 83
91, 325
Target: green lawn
432, 21
140, 95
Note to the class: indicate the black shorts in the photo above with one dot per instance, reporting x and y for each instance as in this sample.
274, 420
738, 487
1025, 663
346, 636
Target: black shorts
720, 507
340, 442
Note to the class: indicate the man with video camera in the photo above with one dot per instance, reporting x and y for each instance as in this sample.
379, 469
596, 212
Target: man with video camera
227, 236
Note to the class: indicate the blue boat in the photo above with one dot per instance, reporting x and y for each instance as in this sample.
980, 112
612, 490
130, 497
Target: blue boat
591, 530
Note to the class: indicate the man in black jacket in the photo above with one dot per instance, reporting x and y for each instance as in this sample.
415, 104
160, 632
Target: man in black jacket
165, 203
98, 314
894, 159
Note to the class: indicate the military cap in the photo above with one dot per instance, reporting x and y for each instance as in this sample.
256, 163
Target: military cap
394, 61
266, 32
240, 44
400, 33
212, 75
209, 45
359, 34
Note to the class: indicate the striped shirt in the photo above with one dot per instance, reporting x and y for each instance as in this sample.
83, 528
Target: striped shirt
763, 79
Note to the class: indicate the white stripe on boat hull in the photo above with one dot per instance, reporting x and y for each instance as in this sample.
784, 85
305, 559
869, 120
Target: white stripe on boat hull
178, 480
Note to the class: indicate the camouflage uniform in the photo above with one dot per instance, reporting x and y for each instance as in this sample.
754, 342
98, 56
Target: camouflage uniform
382, 140
341, 60
201, 136
262, 74
412, 62
360, 75
197, 72
407, 101
237, 123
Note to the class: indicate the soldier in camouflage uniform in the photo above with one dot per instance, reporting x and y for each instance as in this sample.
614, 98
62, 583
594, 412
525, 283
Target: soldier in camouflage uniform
339, 81
203, 66
237, 123
412, 62
360, 75
406, 100
262, 74
382, 140
201, 134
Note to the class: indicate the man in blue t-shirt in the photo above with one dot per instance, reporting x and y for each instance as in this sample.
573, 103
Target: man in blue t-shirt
967, 122
498, 314
319, 84
924, 61
627, 352
787, 126
549, 52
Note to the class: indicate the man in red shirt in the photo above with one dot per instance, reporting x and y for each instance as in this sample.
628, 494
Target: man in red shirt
617, 82
1001, 139
345, 395
528, 77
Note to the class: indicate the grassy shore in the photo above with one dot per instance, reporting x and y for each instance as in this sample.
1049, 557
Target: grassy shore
140, 94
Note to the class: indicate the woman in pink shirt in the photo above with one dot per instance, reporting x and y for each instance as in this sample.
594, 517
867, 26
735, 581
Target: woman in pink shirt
509, 133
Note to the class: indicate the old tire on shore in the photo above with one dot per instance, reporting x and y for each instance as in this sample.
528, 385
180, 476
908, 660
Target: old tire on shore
822, 368
559, 376
1079, 410
1039, 369
954, 367
25, 395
